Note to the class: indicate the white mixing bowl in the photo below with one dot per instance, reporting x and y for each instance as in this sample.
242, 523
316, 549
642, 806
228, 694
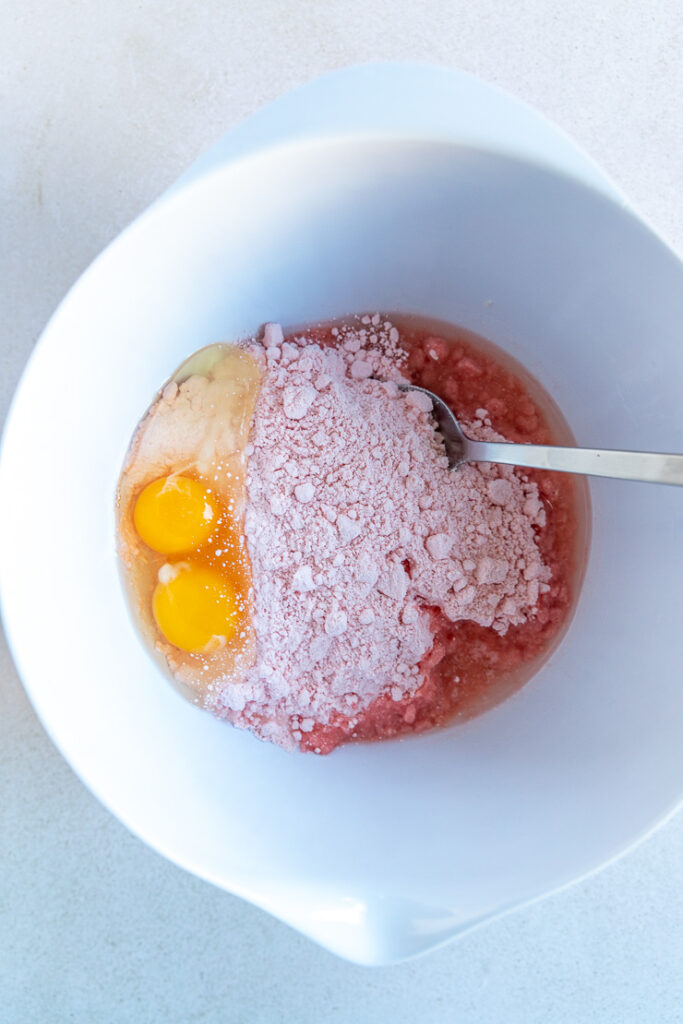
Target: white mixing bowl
379, 851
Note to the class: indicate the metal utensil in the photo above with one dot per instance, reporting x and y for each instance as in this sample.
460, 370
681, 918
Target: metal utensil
649, 467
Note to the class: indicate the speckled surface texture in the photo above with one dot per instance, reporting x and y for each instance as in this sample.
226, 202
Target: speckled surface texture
102, 105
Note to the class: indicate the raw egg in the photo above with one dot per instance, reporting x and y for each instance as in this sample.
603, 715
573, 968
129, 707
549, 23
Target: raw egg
180, 503
174, 513
195, 607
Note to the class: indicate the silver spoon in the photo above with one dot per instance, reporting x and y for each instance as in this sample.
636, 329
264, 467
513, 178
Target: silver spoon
647, 466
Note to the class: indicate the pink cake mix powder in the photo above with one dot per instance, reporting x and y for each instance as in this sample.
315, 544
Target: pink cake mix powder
385, 585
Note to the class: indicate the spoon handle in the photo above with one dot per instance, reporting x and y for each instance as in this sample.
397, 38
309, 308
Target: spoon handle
647, 466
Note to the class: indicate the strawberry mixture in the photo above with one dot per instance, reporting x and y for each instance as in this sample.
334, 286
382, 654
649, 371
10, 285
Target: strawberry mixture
392, 595
469, 667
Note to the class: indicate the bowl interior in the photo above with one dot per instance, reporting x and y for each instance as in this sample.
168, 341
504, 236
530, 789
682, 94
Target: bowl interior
377, 851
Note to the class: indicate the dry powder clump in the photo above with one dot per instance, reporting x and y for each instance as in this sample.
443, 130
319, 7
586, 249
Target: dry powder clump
355, 526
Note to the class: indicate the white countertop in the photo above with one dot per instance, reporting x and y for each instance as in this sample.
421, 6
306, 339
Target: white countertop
103, 105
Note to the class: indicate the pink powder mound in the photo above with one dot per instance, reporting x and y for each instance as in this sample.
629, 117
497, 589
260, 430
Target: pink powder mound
357, 531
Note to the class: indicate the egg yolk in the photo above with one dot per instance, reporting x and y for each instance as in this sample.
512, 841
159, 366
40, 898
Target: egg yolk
174, 514
195, 607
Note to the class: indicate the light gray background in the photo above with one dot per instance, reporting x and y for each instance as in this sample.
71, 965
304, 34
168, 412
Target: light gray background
103, 103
